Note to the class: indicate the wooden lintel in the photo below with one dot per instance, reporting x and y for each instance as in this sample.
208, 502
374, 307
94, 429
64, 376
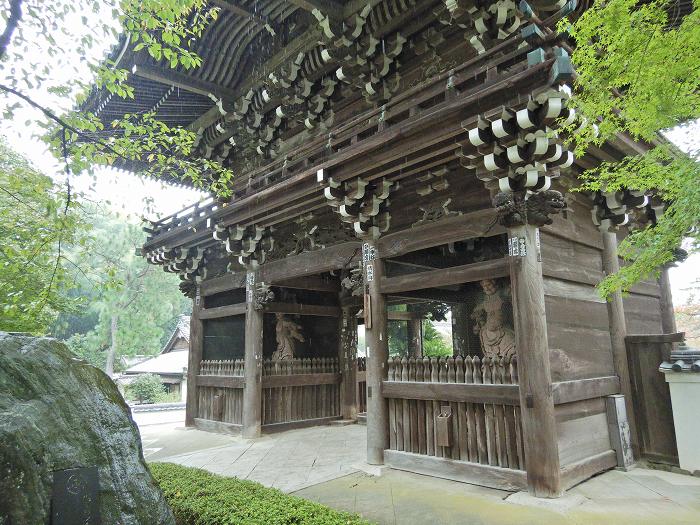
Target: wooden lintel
457, 392
300, 380
656, 338
222, 311
481, 223
475, 473
311, 282
421, 296
403, 316
221, 381
224, 283
581, 389
186, 82
303, 309
446, 276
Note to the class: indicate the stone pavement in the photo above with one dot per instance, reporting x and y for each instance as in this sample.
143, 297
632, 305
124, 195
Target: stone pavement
288, 461
326, 464
638, 497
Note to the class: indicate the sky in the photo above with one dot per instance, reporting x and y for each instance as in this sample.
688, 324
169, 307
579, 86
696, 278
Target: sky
135, 198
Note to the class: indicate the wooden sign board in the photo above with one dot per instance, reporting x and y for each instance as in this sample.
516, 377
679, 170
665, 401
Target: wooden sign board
74, 497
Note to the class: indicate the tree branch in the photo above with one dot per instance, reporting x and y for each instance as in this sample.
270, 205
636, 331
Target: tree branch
12, 23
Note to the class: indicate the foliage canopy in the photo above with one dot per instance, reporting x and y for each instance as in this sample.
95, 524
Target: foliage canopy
638, 71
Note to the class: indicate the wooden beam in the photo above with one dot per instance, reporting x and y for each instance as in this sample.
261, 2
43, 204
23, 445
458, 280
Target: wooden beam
581, 389
457, 392
471, 225
445, 276
301, 423
221, 381
403, 316
186, 82
303, 309
474, 473
656, 338
224, 283
539, 428
223, 311
317, 283
575, 473
421, 296
300, 380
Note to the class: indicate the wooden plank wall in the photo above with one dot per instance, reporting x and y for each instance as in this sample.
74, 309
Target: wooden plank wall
578, 327
320, 398
485, 433
229, 407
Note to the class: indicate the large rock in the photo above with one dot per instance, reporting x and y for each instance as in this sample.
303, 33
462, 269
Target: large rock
58, 412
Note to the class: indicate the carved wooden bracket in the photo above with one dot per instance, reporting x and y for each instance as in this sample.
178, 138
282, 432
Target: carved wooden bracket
364, 204
250, 244
633, 208
188, 264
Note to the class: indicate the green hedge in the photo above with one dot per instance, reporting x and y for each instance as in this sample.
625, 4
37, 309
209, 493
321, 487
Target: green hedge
198, 497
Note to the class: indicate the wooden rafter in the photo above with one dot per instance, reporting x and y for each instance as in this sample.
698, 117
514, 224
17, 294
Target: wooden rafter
328, 7
186, 82
236, 9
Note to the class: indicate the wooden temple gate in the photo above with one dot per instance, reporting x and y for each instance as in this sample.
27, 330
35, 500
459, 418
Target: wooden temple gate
402, 153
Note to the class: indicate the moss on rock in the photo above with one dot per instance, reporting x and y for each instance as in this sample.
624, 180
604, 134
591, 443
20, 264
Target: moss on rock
58, 412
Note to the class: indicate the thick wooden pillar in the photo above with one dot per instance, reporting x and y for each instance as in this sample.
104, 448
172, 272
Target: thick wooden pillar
252, 391
618, 331
460, 330
414, 336
536, 400
347, 359
193, 360
377, 349
668, 317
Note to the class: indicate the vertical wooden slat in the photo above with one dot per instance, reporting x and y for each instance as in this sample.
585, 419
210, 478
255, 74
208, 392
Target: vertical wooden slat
479, 411
405, 410
429, 430
420, 405
435, 378
498, 378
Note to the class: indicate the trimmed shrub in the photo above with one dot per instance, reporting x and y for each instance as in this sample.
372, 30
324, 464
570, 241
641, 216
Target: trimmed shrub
146, 388
198, 497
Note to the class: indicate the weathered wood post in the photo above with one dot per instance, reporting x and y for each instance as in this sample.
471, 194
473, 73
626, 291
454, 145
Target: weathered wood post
414, 335
460, 329
668, 317
618, 331
252, 391
347, 359
194, 359
536, 400
377, 354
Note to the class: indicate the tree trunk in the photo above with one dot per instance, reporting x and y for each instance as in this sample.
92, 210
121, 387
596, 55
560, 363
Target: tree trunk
109, 365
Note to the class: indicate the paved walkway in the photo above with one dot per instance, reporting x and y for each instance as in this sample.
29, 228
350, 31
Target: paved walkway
288, 461
326, 464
